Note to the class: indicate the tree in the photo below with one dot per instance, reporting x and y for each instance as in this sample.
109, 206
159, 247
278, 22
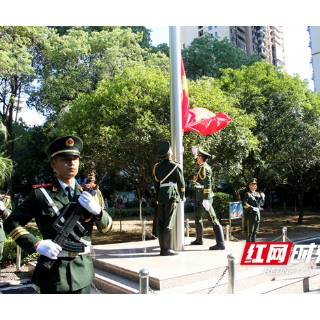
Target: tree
19, 49
123, 122
287, 125
206, 56
6, 166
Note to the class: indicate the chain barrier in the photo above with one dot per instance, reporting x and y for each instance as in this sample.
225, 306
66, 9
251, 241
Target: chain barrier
223, 273
231, 236
151, 290
95, 288
151, 233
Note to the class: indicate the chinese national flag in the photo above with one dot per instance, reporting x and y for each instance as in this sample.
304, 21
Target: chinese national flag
185, 97
199, 120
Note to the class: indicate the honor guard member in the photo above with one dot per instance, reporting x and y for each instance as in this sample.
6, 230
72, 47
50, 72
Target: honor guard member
251, 203
204, 199
72, 272
169, 189
5, 210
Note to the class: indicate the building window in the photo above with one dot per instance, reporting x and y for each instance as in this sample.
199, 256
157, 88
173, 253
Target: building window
210, 28
200, 33
216, 34
216, 27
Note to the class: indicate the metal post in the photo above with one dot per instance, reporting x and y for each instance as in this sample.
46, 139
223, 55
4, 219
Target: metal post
227, 232
18, 259
187, 228
143, 231
231, 273
144, 281
176, 124
284, 234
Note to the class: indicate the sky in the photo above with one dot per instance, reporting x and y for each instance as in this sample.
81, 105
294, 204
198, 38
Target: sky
297, 52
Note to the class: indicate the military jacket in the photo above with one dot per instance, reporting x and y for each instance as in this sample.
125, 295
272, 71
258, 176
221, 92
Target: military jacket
252, 199
66, 273
160, 171
4, 214
202, 179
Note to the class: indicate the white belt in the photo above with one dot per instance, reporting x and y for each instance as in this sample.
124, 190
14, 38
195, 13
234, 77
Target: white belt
72, 254
169, 184
198, 185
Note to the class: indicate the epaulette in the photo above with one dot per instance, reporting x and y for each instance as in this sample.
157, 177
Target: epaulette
5, 196
36, 186
177, 162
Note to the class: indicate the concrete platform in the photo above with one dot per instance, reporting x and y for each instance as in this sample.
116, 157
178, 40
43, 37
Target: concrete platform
193, 264
196, 269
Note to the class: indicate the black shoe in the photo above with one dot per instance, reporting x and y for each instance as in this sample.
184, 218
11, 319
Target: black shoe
197, 242
218, 246
169, 252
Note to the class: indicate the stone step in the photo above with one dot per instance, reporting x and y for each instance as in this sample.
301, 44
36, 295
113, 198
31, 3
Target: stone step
196, 270
292, 284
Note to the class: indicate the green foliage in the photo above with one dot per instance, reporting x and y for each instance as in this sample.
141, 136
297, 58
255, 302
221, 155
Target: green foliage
221, 204
10, 250
132, 204
131, 212
206, 56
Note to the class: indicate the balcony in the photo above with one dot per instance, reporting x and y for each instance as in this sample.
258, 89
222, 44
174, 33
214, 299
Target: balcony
241, 28
262, 52
241, 36
260, 35
261, 44
262, 29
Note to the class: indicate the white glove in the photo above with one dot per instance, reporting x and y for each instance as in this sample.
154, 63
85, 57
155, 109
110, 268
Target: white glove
2, 207
183, 199
195, 151
88, 202
49, 249
256, 209
206, 205
262, 195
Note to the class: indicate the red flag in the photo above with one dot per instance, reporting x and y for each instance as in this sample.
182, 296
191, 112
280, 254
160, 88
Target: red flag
205, 122
199, 120
185, 98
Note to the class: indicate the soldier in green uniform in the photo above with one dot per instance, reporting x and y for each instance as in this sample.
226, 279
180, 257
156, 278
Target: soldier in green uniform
5, 210
204, 199
251, 203
71, 272
169, 190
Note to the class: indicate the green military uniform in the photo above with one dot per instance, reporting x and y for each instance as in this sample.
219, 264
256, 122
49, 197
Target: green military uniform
6, 199
203, 189
169, 190
252, 200
71, 272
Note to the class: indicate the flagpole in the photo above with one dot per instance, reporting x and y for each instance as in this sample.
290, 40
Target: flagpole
176, 124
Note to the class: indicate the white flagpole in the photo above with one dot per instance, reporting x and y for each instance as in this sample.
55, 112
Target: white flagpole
176, 124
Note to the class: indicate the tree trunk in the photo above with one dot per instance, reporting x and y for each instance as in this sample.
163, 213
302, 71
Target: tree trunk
300, 198
112, 182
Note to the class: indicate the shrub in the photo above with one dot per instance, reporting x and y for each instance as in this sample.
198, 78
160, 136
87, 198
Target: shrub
132, 204
221, 204
130, 212
9, 254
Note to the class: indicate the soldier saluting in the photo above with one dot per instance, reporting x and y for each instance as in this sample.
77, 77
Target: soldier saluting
72, 272
204, 199
169, 189
252, 200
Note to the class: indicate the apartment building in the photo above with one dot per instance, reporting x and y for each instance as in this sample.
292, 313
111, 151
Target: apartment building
266, 41
314, 44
